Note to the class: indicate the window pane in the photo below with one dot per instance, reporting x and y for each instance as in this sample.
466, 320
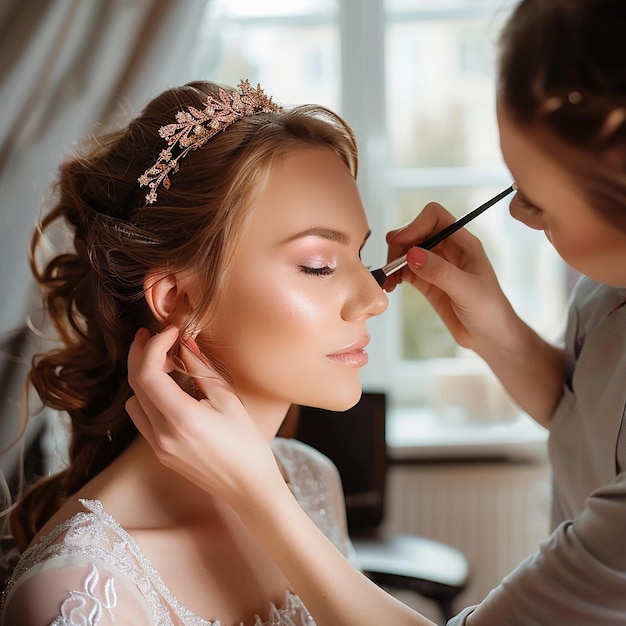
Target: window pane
476, 7
424, 334
256, 9
529, 270
297, 59
440, 93
440, 65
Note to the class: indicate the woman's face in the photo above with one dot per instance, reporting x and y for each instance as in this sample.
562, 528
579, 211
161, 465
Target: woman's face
292, 326
548, 200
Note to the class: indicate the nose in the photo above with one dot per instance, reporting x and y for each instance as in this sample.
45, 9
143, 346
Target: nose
366, 298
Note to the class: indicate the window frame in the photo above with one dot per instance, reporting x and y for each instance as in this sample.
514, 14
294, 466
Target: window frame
362, 26
362, 34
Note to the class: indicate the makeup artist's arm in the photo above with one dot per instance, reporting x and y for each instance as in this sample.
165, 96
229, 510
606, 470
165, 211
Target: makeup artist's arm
218, 447
458, 280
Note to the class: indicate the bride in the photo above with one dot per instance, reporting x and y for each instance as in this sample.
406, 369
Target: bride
232, 227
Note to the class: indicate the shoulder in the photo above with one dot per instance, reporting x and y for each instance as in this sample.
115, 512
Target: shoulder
594, 306
591, 296
72, 589
305, 468
83, 565
292, 452
316, 485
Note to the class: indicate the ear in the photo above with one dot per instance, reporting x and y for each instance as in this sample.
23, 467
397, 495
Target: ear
167, 297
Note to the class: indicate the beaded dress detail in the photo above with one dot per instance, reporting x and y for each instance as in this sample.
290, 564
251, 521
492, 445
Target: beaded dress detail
97, 575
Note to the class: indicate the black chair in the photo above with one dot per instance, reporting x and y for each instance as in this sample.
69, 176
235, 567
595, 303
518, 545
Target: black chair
355, 441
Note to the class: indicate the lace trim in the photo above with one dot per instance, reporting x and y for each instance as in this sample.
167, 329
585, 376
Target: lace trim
113, 545
96, 535
310, 488
86, 604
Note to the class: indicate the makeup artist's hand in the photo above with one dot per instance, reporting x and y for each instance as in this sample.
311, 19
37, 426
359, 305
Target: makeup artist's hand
212, 442
458, 280
455, 276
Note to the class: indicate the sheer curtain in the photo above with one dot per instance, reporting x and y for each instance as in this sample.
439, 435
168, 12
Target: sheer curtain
65, 67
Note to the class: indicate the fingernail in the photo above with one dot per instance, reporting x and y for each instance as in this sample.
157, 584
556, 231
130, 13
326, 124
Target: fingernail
416, 257
139, 332
193, 346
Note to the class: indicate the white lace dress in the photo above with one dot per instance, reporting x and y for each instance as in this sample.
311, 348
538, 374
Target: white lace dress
90, 572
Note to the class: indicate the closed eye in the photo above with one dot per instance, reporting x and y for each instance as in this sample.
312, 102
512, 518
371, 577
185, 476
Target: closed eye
526, 204
325, 270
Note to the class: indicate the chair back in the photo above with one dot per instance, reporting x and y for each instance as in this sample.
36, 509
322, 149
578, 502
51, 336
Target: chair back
355, 441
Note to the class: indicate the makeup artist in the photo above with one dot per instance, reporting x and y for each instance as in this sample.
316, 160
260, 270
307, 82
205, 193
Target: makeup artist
561, 109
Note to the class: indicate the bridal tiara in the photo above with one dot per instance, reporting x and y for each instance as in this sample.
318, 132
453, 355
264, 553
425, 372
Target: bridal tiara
193, 128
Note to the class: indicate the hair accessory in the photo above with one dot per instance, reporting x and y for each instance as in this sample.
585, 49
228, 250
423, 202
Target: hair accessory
595, 104
193, 128
555, 103
574, 97
613, 121
125, 229
132, 234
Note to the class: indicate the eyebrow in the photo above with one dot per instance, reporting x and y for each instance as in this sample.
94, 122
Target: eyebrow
325, 233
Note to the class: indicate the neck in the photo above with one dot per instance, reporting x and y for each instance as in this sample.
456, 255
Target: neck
160, 495
267, 414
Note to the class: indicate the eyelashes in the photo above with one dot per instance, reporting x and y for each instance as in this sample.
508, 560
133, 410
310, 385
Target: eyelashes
325, 270
321, 265
525, 203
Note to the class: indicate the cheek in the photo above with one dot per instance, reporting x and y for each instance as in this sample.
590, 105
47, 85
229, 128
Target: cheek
267, 311
275, 336
302, 308
582, 249
282, 304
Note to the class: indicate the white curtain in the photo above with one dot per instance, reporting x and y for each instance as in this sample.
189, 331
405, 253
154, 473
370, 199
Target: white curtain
65, 67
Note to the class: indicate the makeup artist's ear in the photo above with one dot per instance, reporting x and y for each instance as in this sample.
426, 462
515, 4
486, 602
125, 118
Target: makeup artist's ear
167, 297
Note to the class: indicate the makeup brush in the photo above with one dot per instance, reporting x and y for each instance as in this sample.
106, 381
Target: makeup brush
393, 266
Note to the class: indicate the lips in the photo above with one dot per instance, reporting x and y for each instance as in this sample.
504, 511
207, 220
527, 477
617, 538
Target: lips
353, 354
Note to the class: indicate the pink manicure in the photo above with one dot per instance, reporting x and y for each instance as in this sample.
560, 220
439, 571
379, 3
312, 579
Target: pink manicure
416, 257
193, 346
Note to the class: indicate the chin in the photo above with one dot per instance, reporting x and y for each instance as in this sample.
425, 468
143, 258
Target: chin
339, 399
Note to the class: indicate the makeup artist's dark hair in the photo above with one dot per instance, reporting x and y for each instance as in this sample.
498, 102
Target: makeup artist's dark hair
562, 76
93, 289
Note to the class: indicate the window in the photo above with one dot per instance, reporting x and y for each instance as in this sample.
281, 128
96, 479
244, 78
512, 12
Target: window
415, 79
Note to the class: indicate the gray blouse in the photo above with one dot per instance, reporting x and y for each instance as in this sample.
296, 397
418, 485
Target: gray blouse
578, 575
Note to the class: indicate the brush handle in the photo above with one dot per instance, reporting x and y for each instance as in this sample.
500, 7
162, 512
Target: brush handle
431, 242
